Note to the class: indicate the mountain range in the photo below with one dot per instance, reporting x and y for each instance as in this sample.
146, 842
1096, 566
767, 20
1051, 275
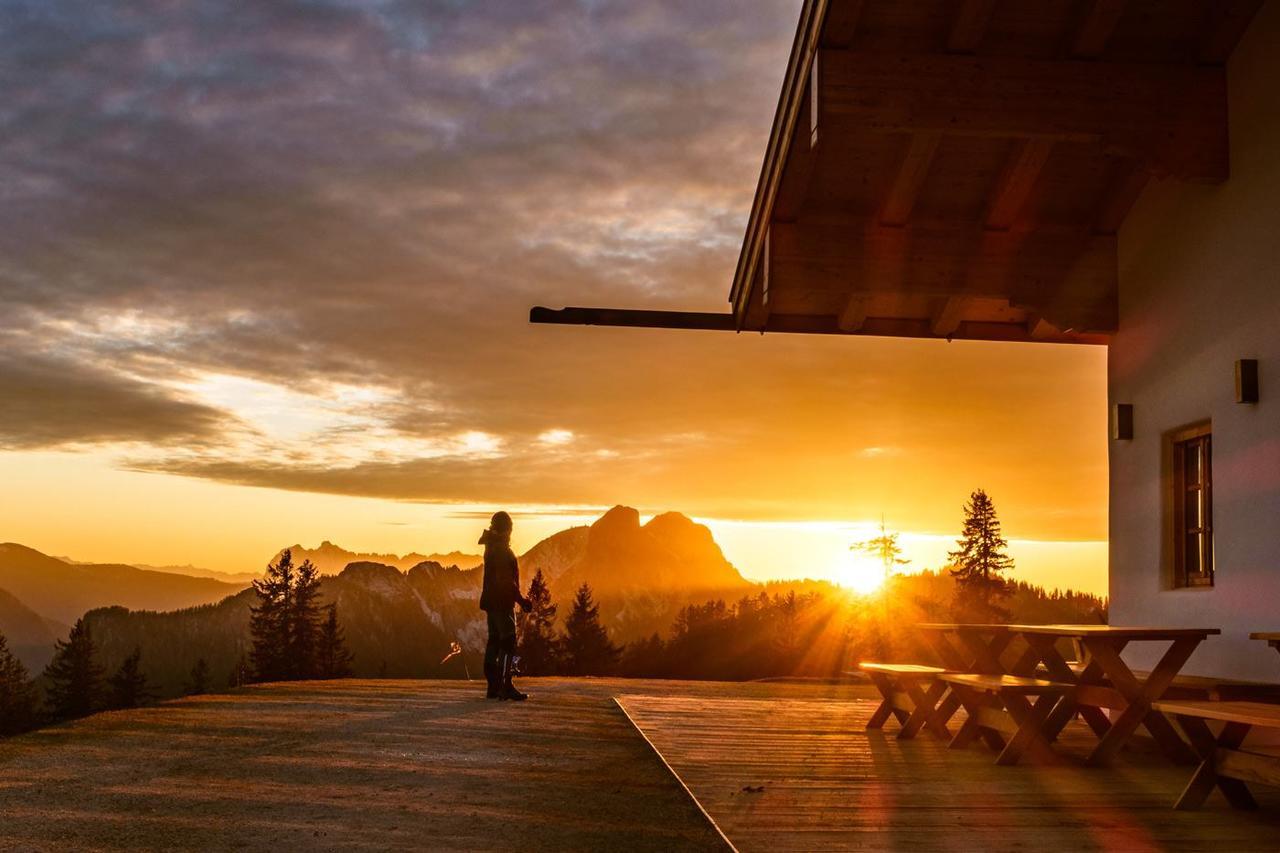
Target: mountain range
401, 622
400, 612
331, 559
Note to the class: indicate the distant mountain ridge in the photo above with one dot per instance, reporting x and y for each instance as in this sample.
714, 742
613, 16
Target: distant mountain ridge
30, 636
331, 559
60, 590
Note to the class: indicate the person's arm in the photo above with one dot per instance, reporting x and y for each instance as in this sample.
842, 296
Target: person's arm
525, 604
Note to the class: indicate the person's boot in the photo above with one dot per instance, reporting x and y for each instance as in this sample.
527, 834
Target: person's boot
509, 692
494, 677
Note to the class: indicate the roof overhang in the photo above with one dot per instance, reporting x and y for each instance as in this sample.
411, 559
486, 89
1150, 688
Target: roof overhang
961, 168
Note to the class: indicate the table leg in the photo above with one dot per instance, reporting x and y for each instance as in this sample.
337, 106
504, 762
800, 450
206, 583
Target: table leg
986, 652
1139, 696
1206, 777
973, 703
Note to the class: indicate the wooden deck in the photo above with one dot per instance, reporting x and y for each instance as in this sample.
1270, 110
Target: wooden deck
803, 774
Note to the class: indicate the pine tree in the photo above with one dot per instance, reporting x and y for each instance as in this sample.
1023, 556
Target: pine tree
304, 623
538, 646
269, 620
333, 659
979, 561
129, 684
586, 646
75, 678
17, 694
198, 682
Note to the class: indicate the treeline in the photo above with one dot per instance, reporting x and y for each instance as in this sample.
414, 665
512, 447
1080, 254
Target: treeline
293, 638
820, 632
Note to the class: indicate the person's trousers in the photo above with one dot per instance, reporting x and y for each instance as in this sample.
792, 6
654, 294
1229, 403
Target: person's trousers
502, 642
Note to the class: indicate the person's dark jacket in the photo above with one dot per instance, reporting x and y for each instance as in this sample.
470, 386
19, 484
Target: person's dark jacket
501, 575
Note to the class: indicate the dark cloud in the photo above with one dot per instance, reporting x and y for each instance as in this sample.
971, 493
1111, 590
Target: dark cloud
48, 403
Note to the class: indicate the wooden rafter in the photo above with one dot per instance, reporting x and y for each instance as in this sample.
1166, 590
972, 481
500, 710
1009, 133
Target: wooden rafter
947, 316
1172, 116
940, 259
1025, 163
912, 171
1095, 30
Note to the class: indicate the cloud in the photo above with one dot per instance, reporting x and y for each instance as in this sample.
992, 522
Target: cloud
293, 244
49, 402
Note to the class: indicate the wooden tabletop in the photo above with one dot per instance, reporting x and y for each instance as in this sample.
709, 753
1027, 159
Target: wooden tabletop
1118, 632
963, 626
1269, 636
1251, 713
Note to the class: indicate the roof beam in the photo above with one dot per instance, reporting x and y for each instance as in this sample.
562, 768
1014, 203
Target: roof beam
798, 324
1095, 30
841, 23
1072, 275
970, 25
802, 157
854, 314
947, 316
911, 175
1172, 116
1023, 167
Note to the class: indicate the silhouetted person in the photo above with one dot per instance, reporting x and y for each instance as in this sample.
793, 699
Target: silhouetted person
498, 600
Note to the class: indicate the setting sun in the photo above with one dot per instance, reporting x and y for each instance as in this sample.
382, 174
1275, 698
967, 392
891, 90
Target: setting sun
860, 573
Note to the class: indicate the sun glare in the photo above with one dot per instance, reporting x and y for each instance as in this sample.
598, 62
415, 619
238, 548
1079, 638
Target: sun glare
861, 573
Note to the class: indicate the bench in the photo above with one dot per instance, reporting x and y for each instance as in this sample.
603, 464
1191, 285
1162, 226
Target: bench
1223, 764
997, 705
910, 693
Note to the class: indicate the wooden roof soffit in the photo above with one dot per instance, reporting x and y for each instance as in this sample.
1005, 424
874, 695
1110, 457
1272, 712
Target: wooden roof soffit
1082, 123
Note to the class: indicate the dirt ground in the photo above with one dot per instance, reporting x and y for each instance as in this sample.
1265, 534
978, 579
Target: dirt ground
355, 765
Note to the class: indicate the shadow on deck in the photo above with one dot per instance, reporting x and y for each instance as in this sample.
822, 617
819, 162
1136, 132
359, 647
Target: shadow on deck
804, 774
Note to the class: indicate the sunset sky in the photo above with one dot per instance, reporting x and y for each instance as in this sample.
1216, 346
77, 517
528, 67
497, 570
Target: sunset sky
265, 272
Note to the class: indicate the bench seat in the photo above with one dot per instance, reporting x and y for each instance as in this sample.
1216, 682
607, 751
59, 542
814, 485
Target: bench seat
1223, 764
903, 670
997, 706
911, 693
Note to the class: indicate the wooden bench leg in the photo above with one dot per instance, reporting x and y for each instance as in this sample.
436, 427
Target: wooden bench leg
1206, 777
1029, 738
925, 702
882, 714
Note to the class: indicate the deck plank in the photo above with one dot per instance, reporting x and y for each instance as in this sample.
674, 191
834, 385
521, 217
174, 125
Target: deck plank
830, 784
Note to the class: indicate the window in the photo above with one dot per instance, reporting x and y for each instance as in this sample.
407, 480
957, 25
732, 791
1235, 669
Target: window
1193, 508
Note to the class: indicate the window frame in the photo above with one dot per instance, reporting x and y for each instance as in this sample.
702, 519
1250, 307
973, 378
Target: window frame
1200, 437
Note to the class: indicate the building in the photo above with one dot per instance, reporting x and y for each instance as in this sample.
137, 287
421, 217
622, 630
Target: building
1085, 172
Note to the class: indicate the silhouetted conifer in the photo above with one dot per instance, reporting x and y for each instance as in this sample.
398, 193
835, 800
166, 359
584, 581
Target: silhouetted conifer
978, 563
586, 647
17, 694
538, 645
75, 677
304, 623
198, 681
129, 684
240, 673
269, 620
643, 658
333, 659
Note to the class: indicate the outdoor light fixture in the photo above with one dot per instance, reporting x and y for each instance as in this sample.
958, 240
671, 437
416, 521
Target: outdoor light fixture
1247, 380
1122, 422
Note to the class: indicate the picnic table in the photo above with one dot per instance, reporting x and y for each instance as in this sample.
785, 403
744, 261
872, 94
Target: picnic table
1100, 682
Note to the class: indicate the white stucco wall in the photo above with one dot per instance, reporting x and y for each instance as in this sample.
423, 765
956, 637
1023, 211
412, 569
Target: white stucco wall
1200, 288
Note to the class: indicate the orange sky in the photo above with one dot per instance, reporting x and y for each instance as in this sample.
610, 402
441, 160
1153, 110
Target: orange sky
268, 282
